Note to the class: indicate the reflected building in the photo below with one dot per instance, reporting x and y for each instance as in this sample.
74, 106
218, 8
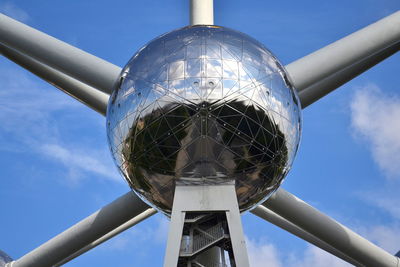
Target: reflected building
204, 105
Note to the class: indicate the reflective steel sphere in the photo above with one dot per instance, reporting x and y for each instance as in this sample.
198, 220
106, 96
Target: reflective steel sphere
203, 105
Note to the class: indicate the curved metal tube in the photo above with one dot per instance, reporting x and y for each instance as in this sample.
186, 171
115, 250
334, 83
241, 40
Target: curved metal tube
331, 66
328, 230
82, 92
59, 55
83, 233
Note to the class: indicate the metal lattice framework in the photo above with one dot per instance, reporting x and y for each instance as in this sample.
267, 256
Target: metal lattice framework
65, 67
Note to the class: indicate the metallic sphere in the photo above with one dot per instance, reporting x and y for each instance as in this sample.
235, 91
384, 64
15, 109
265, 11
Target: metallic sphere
203, 105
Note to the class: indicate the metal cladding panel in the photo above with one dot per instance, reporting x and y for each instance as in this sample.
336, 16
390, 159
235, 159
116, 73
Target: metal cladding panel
203, 105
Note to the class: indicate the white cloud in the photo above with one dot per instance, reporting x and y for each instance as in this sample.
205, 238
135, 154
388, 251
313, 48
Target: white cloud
385, 236
76, 160
262, 253
143, 236
120, 242
35, 118
11, 10
160, 234
386, 198
376, 118
315, 257
389, 204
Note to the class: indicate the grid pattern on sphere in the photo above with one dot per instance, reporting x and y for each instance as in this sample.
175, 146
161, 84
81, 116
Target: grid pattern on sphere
204, 105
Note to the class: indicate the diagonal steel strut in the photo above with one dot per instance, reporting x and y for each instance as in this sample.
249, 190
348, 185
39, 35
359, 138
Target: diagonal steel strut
84, 233
314, 75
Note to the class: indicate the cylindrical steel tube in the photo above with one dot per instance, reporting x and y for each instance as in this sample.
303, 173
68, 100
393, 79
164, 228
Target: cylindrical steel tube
328, 230
59, 55
201, 12
83, 233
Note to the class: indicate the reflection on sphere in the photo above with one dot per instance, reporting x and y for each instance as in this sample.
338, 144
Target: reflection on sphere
203, 105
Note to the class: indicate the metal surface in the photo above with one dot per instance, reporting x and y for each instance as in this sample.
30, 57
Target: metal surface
201, 12
142, 216
89, 96
202, 232
214, 254
328, 230
274, 218
66, 67
61, 56
83, 233
318, 90
204, 105
327, 68
206, 199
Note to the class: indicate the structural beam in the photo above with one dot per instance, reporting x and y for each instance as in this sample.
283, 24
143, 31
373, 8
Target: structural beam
201, 12
274, 218
282, 209
132, 222
211, 200
328, 230
318, 90
58, 55
84, 233
327, 68
84, 93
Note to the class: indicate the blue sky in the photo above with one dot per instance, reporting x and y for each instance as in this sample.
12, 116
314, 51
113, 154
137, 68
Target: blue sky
56, 169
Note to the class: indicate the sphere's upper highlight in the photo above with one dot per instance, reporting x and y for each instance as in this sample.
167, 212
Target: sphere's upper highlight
203, 105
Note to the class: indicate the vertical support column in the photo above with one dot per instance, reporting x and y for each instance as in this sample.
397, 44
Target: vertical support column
174, 237
201, 12
198, 205
210, 256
